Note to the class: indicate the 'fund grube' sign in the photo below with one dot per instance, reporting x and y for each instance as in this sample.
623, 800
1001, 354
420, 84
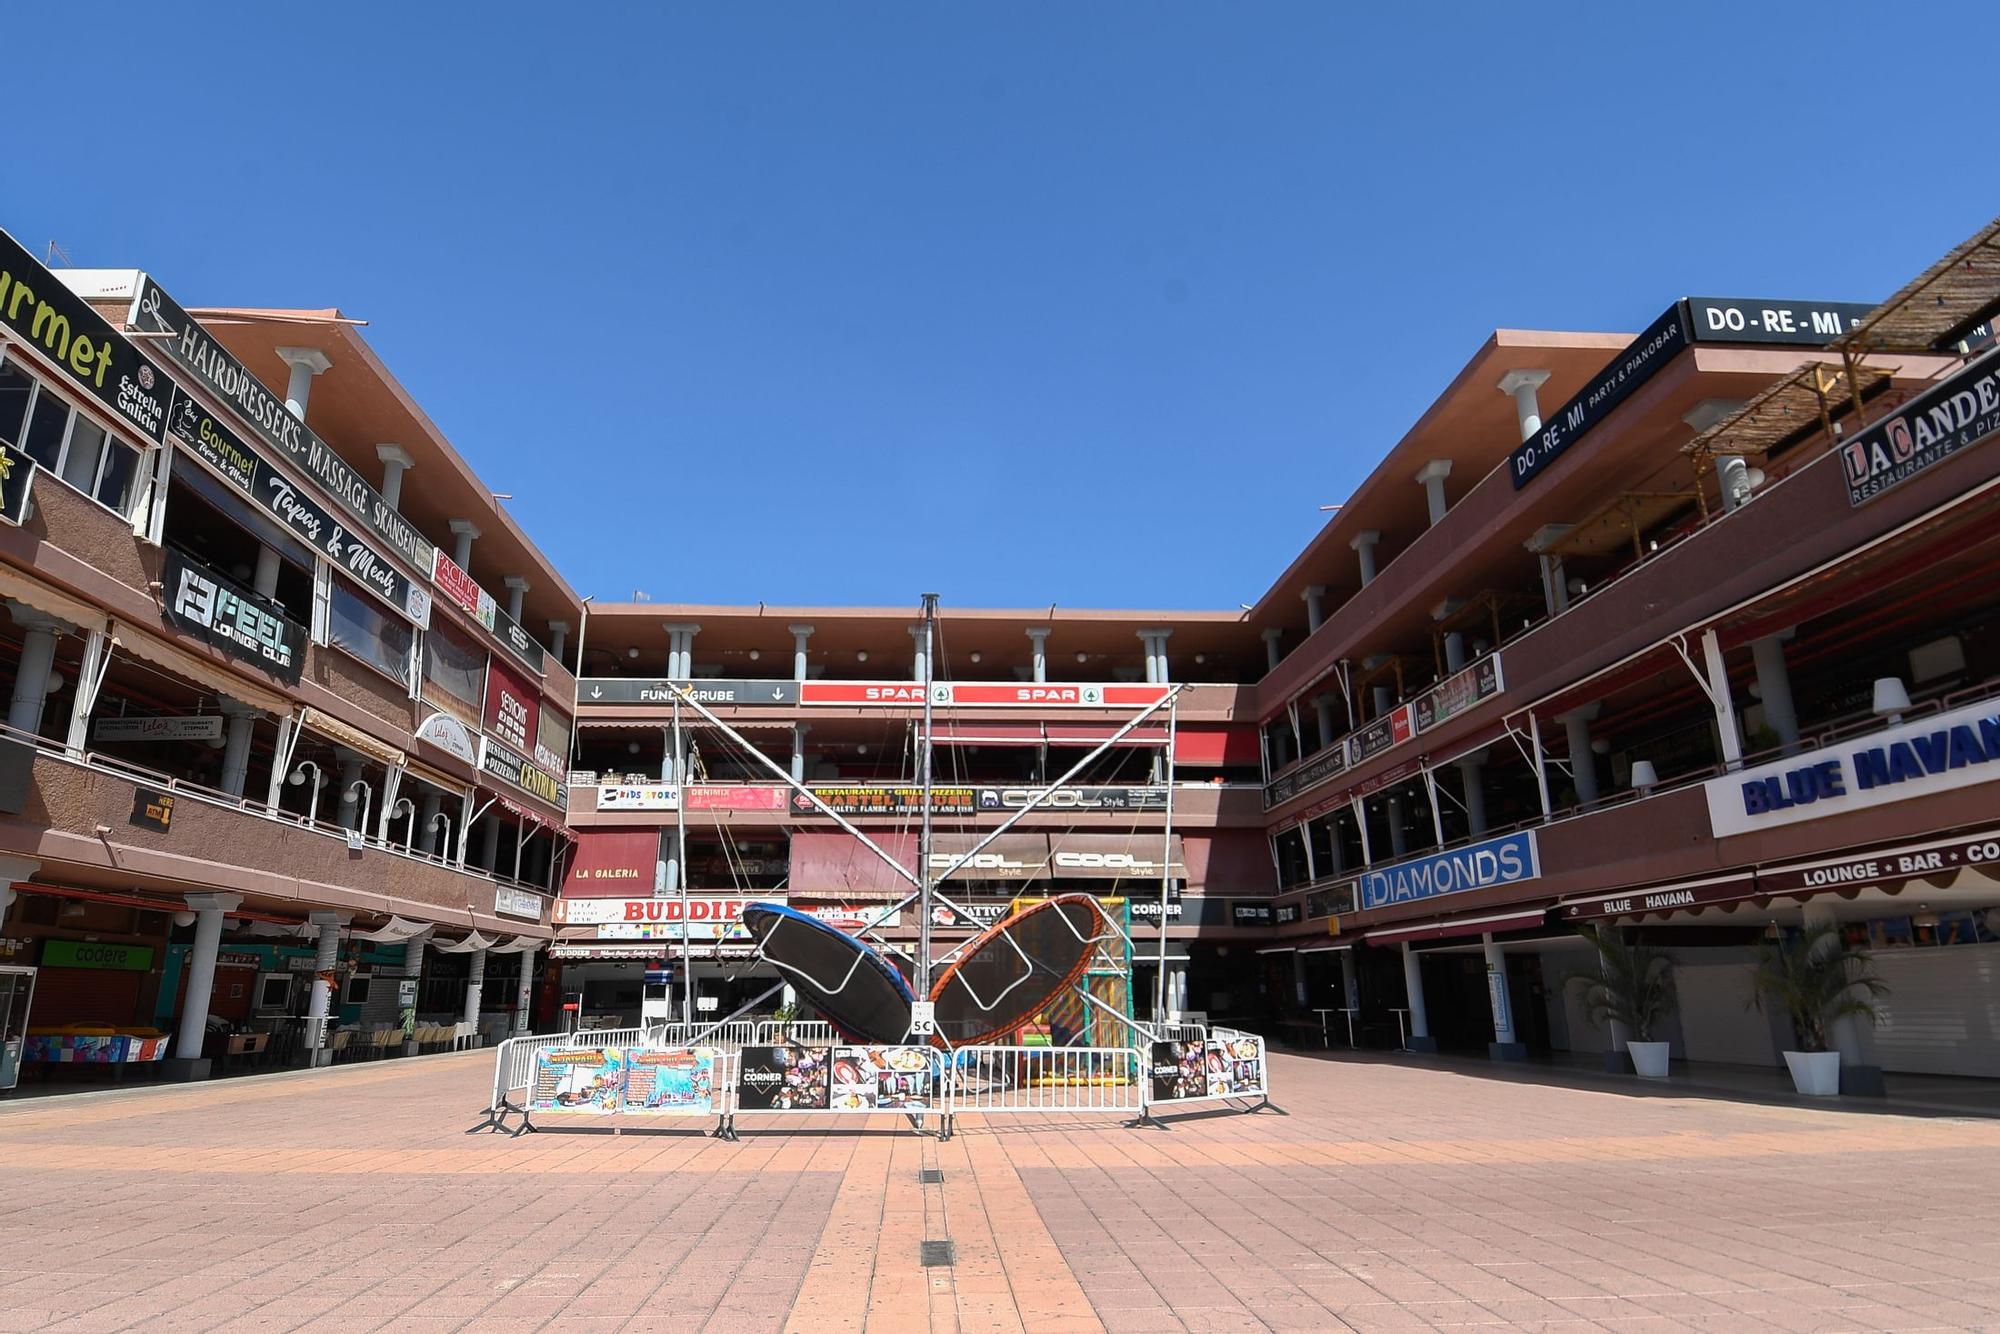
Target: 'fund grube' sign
1917, 759
1496, 861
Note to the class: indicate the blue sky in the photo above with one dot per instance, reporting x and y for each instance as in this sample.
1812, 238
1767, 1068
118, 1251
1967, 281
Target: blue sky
1093, 304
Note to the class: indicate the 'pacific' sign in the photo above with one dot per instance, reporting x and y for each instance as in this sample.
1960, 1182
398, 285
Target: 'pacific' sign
1917, 759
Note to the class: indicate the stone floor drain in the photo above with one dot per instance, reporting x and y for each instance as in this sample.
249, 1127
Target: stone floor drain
931, 1176
939, 1254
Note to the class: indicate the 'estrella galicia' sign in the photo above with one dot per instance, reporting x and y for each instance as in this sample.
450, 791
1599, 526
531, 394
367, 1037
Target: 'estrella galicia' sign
1927, 430
60, 325
216, 610
1496, 861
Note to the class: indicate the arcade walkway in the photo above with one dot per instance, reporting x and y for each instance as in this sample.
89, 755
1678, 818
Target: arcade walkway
1392, 1197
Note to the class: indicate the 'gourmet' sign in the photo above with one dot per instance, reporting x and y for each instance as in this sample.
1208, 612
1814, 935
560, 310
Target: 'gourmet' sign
94, 357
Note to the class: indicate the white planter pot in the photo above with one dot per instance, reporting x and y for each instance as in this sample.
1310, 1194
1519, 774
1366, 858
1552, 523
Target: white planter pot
1815, 1073
1649, 1059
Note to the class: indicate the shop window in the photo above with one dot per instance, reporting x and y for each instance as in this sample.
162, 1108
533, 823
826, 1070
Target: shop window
453, 665
43, 439
355, 627
66, 443
552, 745
15, 391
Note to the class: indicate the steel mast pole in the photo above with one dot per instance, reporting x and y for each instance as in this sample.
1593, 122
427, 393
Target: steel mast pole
1166, 868
924, 836
681, 863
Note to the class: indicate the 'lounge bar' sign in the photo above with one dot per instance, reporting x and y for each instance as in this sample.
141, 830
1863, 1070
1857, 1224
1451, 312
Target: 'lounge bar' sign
217, 611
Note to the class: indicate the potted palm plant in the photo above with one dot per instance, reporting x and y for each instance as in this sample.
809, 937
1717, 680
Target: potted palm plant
1817, 979
1632, 985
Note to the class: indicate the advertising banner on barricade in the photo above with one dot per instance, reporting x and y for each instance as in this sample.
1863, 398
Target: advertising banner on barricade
886, 1079
786, 1078
1230, 1066
677, 1081
578, 1079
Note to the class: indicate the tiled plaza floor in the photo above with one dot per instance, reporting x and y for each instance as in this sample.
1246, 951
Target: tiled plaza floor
1390, 1198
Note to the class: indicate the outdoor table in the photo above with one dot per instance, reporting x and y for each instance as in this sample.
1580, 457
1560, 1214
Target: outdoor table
1323, 1012
1402, 1029
1350, 1011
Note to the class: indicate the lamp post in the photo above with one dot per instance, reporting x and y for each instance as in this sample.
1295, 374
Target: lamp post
404, 804
348, 797
298, 776
444, 847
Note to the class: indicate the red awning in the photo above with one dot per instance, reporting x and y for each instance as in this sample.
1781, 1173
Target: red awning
988, 734
1215, 747
1464, 926
1231, 861
612, 863
1091, 734
836, 864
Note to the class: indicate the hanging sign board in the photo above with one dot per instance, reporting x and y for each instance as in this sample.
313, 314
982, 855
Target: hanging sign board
199, 727
503, 764
448, 734
220, 613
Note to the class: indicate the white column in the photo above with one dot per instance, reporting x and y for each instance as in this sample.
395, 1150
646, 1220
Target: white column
209, 910
1497, 996
799, 731
916, 652
475, 983
1469, 769
38, 656
265, 581
413, 970
1315, 599
1273, 653
1454, 651
1155, 641
464, 533
236, 746
517, 589
524, 996
1431, 477
1582, 760
1527, 406
350, 800
1774, 686
305, 362
1364, 549
1323, 715
667, 879
1038, 636
680, 650
1413, 991
489, 845
395, 462
1555, 591
801, 636
320, 1005
559, 640
427, 825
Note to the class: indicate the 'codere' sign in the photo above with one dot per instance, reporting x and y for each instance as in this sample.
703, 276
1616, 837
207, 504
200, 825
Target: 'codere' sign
1927, 430
79, 342
1917, 759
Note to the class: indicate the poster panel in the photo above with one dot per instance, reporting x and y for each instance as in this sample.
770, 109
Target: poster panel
786, 1078
1178, 1072
670, 1081
891, 1079
1195, 1070
1235, 1066
578, 1079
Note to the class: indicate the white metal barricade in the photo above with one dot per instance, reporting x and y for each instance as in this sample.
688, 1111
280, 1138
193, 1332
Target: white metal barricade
514, 1063
794, 1079
643, 1091
798, 1032
1225, 1065
1043, 1081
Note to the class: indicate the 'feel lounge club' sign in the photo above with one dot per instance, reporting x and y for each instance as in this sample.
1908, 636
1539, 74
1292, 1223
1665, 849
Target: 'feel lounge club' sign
1917, 759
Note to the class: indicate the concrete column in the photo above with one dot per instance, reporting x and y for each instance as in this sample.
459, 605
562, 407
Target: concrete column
1857, 1074
1582, 759
31, 680
1732, 475
680, 649
1413, 993
209, 909
413, 970
236, 746
517, 589
1399, 842
1272, 653
350, 801
489, 845
668, 879
525, 995
1431, 477
395, 462
1155, 642
1774, 686
1527, 404
1315, 599
1454, 652
265, 581
801, 634
1505, 1046
13, 871
1038, 637
464, 533
916, 652
1364, 549
1555, 592
1382, 700
1470, 769
1323, 716
799, 731
320, 1005
475, 984
1160, 650
559, 639
305, 362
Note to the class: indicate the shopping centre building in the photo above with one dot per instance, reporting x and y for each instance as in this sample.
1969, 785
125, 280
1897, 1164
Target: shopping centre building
1688, 633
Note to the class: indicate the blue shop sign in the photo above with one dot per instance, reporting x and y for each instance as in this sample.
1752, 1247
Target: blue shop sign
1497, 861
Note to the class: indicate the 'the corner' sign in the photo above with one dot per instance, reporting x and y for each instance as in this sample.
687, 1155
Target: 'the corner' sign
1917, 759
